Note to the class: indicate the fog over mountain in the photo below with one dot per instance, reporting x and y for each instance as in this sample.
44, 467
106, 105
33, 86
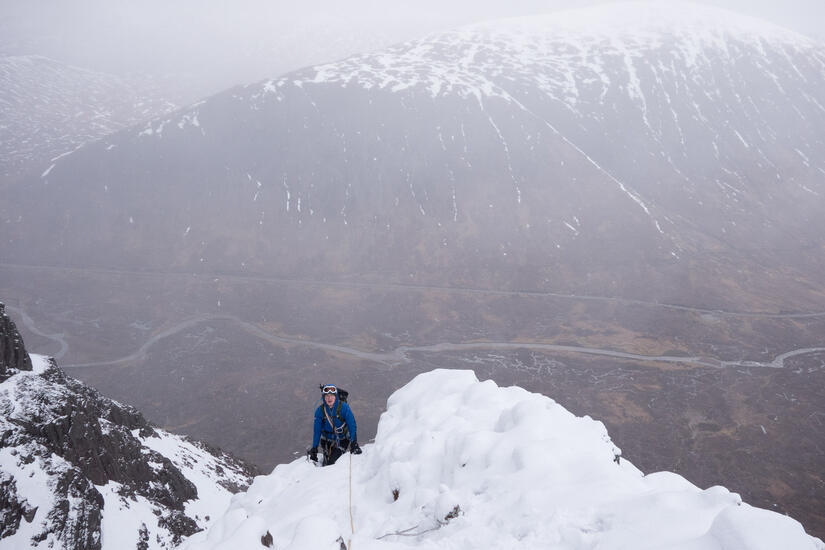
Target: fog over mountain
49, 108
619, 206
174, 53
211, 45
604, 151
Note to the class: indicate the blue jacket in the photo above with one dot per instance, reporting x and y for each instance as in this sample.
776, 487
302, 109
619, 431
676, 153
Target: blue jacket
322, 425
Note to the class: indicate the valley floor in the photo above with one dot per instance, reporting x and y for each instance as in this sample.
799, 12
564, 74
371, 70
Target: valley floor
721, 397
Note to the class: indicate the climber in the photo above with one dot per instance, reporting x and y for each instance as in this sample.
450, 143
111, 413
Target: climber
334, 427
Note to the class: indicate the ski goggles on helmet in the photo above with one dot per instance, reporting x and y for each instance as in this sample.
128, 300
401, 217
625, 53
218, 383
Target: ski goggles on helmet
329, 390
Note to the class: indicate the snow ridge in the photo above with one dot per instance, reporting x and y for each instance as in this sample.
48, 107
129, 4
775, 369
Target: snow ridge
459, 463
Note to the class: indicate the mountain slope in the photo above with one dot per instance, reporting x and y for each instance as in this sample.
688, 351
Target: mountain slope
48, 109
80, 471
459, 463
614, 148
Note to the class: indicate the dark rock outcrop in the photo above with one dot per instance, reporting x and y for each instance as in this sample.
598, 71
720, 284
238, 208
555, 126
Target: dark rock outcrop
12, 508
76, 442
77, 513
13, 356
94, 434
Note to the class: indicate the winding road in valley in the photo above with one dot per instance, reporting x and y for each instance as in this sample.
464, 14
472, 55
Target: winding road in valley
422, 287
28, 322
402, 354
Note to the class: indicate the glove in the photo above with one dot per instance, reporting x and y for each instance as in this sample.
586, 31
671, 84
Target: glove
313, 454
354, 448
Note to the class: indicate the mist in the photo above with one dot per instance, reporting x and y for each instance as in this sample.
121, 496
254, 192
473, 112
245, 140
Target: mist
201, 47
620, 209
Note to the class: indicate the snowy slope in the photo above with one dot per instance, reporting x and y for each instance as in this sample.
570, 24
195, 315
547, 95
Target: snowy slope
80, 471
677, 93
48, 108
459, 463
610, 140
472, 60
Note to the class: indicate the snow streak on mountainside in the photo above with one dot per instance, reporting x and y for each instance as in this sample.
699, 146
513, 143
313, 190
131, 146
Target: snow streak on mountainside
468, 60
678, 91
459, 463
48, 108
619, 138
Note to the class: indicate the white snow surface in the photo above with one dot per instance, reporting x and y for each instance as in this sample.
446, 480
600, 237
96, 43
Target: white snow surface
39, 363
475, 465
201, 468
34, 489
123, 518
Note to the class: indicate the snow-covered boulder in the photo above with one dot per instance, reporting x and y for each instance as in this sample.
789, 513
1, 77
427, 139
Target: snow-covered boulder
459, 463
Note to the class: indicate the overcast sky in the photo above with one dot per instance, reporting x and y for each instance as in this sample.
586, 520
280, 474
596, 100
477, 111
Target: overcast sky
209, 45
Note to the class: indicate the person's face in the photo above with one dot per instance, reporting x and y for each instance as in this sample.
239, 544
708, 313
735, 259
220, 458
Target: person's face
329, 399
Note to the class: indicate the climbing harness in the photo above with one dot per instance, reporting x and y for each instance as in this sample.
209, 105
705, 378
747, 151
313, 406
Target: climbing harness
340, 433
341, 430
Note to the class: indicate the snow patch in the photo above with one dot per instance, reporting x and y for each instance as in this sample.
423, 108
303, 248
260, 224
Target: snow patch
199, 467
39, 363
124, 517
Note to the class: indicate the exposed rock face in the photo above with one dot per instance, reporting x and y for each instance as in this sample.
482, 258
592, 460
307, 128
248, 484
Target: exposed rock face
70, 460
12, 510
13, 356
